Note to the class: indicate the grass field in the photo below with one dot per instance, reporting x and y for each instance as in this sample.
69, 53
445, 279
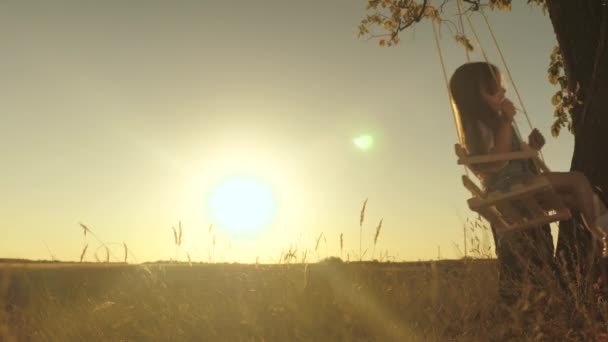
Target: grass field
327, 301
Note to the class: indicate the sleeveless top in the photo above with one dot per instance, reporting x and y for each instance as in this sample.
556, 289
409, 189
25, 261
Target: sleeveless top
495, 179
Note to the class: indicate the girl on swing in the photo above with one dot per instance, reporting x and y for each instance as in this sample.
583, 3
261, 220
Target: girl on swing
486, 118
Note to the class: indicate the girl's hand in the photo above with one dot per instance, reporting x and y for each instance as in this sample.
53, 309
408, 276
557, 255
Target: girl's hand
536, 140
507, 110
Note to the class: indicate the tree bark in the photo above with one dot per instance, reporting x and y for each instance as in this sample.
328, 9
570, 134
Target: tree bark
577, 24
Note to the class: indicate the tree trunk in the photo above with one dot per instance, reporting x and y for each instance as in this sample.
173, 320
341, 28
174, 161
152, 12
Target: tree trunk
525, 260
577, 26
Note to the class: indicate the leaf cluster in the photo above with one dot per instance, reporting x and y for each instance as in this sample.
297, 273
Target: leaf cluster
464, 41
503, 5
394, 16
565, 99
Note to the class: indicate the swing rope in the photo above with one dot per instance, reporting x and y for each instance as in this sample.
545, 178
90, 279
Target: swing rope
502, 58
445, 77
504, 63
447, 83
447, 86
485, 57
462, 28
506, 67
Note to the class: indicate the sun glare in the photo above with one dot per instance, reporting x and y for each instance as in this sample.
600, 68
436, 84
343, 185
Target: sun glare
242, 204
364, 142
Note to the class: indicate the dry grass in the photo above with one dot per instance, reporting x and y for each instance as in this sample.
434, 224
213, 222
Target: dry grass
329, 301
236, 302
378, 229
361, 219
454, 300
84, 251
341, 244
449, 300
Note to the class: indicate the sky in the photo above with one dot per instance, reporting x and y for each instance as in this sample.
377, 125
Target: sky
131, 117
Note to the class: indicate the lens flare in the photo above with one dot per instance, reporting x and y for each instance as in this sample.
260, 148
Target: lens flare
364, 142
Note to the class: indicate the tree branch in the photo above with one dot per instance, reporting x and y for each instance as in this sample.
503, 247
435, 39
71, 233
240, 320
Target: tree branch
475, 4
415, 19
377, 36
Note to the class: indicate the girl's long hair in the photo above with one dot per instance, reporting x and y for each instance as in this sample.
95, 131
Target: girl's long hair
465, 93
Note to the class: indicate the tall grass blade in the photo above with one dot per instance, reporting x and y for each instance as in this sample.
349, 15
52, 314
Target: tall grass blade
361, 219
84, 250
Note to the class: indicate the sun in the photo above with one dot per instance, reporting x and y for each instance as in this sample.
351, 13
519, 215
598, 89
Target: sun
242, 204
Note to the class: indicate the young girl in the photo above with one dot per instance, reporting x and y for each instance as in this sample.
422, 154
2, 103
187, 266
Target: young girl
486, 118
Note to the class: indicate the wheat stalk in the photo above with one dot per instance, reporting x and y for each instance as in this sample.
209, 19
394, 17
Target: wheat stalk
291, 255
87, 230
213, 244
126, 250
362, 214
341, 244
84, 250
361, 218
378, 228
84, 230
49, 250
179, 237
176, 239
107, 254
318, 241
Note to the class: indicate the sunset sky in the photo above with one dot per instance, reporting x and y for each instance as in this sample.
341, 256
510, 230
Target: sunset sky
130, 117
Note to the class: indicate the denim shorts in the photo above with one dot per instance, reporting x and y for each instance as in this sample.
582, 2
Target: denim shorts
513, 173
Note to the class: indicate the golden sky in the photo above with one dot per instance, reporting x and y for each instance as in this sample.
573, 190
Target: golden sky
129, 117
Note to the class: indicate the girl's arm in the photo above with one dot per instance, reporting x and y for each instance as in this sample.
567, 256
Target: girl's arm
503, 138
502, 144
496, 142
504, 133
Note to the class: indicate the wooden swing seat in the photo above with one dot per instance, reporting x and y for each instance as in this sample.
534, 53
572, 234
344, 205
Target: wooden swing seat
524, 206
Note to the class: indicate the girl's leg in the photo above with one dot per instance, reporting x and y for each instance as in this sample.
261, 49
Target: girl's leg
570, 200
578, 194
